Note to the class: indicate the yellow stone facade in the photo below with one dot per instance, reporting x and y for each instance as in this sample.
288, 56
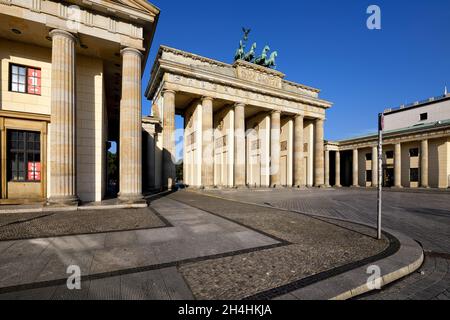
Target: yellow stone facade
90, 56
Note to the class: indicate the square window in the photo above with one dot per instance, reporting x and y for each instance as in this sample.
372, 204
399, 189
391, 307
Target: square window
368, 156
423, 116
25, 79
414, 152
389, 154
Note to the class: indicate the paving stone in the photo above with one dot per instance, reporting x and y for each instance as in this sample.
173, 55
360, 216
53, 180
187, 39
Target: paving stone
316, 246
421, 216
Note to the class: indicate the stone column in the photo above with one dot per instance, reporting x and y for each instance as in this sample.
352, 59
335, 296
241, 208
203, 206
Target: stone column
424, 164
207, 143
239, 145
374, 166
327, 168
355, 168
63, 120
338, 170
318, 153
275, 148
298, 152
130, 146
398, 165
168, 139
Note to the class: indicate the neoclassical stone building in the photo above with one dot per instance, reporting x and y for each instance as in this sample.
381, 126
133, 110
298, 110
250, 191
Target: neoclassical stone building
243, 124
416, 150
70, 82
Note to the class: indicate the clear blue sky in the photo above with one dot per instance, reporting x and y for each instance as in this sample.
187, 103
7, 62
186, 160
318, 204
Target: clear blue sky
325, 44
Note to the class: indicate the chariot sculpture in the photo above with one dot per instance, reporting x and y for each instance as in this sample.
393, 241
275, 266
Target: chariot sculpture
264, 59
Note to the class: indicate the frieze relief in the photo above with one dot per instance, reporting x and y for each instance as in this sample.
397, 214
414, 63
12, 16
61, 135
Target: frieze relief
239, 93
258, 77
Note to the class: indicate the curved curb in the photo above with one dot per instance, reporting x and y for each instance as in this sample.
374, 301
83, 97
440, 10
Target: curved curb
353, 283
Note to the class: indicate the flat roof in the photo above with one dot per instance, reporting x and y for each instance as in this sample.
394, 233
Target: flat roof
417, 104
418, 127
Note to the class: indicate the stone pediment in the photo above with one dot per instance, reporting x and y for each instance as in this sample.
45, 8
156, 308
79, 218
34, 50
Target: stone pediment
255, 73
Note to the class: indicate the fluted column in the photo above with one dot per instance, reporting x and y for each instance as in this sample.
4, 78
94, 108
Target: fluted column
207, 143
424, 164
327, 167
299, 180
318, 153
355, 168
130, 144
338, 170
168, 173
374, 166
63, 120
239, 145
398, 165
275, 148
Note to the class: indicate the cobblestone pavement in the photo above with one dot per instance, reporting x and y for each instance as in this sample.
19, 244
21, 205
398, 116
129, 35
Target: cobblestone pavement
15, 226
192, 234
314, 246
424, 217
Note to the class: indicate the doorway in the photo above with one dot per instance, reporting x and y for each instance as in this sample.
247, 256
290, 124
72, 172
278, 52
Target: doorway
388, 177
112, 170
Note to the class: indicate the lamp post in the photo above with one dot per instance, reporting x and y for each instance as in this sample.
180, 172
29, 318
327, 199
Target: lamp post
380, 171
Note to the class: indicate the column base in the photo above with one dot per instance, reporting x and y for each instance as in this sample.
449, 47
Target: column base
64, 201
208, 187
397, 187
338, 186
131, 198
356, 186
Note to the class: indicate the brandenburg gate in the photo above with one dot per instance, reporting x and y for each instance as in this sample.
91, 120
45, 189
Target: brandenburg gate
244, 124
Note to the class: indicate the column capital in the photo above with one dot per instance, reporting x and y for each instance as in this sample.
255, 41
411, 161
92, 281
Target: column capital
300, 115
164, 91
239, 104
275, 111
207, 98
63, 33
129, 50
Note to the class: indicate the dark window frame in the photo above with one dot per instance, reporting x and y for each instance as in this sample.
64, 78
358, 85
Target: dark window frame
17, 153
389, 154
424, 116
413, 152
10, 78
414, 175
369, 157
368, 175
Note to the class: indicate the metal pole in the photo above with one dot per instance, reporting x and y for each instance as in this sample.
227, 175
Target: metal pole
380, 171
